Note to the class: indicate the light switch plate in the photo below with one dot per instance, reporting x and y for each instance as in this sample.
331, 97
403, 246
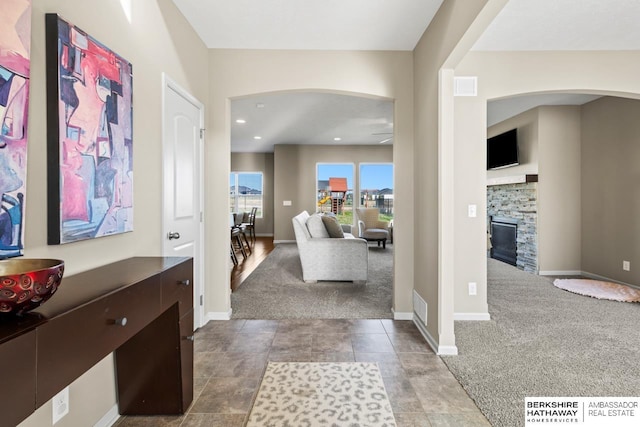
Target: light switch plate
473, 211
473, 288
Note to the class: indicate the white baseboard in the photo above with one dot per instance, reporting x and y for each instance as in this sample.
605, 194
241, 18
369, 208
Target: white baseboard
438, 349
264, 234
217, 315
471, 316
606, 279
110, 418
275, 242
560, 273
399, 315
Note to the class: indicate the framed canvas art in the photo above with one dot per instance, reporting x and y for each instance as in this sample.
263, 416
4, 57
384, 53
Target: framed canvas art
15, 45
89, 136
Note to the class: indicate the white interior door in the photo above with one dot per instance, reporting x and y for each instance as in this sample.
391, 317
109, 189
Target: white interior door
183, 118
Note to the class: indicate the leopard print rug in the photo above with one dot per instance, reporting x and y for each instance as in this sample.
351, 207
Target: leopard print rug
321, 394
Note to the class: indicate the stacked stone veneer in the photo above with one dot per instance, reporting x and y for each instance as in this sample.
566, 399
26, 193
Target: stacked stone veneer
518, 202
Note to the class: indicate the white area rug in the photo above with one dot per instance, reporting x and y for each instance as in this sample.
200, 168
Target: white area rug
322, 394
599, 289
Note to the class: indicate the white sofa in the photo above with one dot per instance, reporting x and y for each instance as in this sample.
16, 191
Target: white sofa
327, 258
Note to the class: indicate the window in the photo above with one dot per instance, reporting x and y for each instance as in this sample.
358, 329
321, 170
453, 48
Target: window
334, 190
246, 192
376, 188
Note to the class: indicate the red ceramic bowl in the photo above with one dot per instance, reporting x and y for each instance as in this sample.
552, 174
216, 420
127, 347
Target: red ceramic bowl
26, 283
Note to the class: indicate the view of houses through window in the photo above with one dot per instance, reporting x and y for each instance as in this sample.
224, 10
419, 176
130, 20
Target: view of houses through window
246, 192
376, 188
335, 189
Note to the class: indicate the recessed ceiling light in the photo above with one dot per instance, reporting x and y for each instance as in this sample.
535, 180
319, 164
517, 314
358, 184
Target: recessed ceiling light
257, 137
241, 121
337, 138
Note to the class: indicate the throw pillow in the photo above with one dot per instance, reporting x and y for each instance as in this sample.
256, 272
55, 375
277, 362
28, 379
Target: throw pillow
333, 226
316, 227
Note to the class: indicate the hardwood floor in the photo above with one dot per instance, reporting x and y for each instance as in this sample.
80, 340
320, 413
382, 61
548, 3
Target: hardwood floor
259, 251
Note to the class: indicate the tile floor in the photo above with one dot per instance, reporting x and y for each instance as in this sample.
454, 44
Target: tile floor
230, 358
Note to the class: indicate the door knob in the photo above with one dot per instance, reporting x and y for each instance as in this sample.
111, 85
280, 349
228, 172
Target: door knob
173, 235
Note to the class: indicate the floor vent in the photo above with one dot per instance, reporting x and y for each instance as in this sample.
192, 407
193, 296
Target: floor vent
420, 307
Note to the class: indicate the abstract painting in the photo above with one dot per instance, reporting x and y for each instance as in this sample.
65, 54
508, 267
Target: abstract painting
89, 136
15, 45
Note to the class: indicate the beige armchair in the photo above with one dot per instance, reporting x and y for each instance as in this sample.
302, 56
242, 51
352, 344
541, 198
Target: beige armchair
371, 227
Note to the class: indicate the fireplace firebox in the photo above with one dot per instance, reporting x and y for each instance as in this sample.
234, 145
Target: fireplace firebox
503, 239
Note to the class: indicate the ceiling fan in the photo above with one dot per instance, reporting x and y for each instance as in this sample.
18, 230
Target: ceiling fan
384, 133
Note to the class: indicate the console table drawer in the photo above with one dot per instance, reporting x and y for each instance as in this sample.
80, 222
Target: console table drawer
177, 285
71, 344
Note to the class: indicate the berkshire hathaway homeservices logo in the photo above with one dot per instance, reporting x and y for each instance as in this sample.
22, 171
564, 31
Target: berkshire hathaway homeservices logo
582, 411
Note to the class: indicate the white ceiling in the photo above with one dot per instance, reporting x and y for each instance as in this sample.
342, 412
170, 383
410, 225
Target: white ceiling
388, 25
502, 109
310, 24
309, 118
564, 25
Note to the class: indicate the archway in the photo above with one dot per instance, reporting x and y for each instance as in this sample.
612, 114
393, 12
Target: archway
323, 126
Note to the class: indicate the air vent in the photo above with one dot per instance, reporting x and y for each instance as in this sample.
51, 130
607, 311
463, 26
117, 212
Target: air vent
420, 307
465, 86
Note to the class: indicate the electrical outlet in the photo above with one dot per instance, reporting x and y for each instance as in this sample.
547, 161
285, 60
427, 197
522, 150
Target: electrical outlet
626, 265
60, 405
286, 203
473, 288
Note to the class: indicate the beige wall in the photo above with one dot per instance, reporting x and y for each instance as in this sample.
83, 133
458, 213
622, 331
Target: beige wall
295, 176
236, 73
505, 74
559, 200
259, 162
157, 40
527, 125
610, 190
452, 31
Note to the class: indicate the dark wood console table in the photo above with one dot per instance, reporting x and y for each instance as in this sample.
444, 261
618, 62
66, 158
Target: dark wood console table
139, 308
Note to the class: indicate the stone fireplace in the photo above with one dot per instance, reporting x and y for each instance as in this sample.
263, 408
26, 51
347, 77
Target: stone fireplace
504, 233
513, 207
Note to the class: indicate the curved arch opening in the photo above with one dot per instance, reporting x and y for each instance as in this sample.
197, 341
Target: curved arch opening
299, 131
578, 217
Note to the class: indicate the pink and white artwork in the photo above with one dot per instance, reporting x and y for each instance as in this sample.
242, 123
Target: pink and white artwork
15, 43
90, 143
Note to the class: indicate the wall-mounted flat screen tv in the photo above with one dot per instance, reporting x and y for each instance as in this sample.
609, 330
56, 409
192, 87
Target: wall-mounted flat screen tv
502, 150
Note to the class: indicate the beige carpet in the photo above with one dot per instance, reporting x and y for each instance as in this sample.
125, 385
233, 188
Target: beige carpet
275, 290
322, 394
599, 289
544, 341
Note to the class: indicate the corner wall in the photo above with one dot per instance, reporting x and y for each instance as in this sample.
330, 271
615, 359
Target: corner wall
559, 198
453, 30
610, 190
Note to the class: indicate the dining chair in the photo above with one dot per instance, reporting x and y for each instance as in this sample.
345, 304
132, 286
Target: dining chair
250, 224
